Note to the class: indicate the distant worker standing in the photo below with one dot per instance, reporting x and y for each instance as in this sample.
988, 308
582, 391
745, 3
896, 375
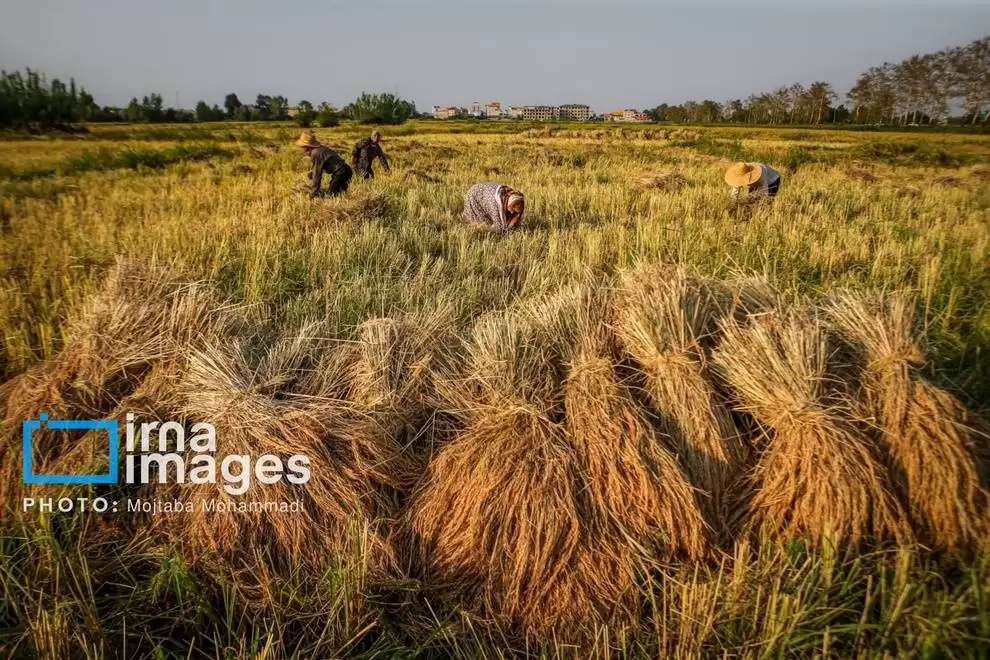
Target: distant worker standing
323, 160
365, 152
759, 178
494, 206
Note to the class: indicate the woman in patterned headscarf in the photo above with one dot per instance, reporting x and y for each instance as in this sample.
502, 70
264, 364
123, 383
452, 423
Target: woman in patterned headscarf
495, 206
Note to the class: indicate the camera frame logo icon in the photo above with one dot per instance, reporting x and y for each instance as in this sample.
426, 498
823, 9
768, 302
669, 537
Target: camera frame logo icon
29, 426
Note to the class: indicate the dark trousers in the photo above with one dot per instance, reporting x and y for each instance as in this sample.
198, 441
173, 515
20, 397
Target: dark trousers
365, 171
339, 181
773, 188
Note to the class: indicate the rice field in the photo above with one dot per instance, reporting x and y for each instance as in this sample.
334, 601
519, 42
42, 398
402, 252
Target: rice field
647, 423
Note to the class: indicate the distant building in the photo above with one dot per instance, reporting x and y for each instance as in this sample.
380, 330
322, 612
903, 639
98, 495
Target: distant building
514, 112
634, 115
476, 109
493, 109
575, 112
448, 112
541, 112
627, 115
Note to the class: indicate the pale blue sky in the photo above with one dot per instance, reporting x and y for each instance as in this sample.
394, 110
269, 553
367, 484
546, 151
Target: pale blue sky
609, 55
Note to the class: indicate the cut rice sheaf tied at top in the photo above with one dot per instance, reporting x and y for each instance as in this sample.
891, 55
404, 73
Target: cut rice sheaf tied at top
639, 490
120, 348
664, 320
393, 374
258, 395
497, 523
936, 450
818, 477
559, 497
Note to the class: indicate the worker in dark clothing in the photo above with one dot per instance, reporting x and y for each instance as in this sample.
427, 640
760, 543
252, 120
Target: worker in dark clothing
365, 152
325, 160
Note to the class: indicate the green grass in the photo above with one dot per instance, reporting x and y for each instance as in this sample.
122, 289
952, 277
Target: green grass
108, 592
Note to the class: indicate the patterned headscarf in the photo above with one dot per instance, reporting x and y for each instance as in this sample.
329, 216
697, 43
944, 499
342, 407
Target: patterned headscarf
487, 203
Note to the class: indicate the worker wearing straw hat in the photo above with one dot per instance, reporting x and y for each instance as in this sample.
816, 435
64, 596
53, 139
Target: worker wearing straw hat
323, 160
758, 178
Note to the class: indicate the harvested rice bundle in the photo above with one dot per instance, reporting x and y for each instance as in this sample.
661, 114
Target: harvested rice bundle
418, 175
359, 207
688, 136
393, 370
503, 521
392, 379
947, 180
748, 295
139, 318
136, 323
937, 454
664, 320
636, 484
667, 182
249, 392
859, 174
817, 476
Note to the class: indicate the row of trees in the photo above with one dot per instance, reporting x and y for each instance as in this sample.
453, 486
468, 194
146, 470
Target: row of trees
29, 99
921, 88
796, 104
918, 90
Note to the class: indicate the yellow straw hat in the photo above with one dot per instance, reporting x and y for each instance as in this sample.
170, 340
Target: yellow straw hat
743, 174
307, 139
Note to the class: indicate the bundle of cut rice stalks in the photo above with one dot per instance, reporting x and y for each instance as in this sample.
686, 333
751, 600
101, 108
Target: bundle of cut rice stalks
357, 207
393, 379
253, 392
640, 493
664, 321
501, 523
124, 340
817, 476
937, 453
748, 295
666, 182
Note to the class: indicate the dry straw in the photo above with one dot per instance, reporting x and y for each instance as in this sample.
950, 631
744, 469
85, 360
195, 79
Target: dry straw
936, 453
859, 174
393, 379
124, 341
356, 207
980, 172
817, 477
639, 490
497, 524
559, 496
250, 390
419, 175
664, 321
666, 182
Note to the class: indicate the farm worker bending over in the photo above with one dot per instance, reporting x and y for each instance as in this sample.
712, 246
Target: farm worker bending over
759, 178
494, 205
365, 152
324, 160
